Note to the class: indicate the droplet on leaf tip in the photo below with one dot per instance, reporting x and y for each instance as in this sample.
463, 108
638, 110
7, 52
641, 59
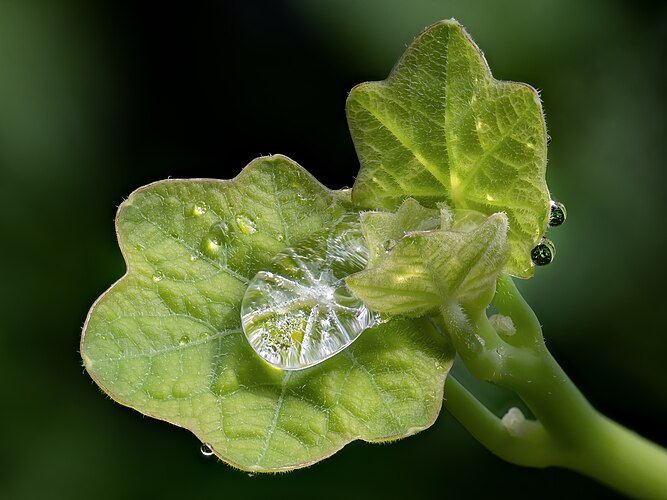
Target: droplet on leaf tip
557, 214
206, 450
543, 253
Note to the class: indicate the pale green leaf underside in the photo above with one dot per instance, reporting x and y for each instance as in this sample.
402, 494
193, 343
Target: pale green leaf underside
166, 339
441, 128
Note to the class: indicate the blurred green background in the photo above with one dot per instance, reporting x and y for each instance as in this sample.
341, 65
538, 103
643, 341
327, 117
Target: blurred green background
99, 98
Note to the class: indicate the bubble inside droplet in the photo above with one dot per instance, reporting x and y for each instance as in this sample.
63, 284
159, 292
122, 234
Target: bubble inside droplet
206, 450
157, 277
199, 209
557, 214
245, 224
544, 253
299, 312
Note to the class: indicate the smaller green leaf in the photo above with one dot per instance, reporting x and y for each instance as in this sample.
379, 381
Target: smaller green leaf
429, 268
440, 128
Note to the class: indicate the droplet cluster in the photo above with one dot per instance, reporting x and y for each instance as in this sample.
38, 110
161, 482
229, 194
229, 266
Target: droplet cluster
545, 252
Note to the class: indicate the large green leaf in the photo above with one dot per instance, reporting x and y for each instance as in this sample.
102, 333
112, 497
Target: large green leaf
166, 339
441, 128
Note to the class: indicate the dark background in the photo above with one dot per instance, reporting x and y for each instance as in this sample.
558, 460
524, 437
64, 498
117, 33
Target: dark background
99, 98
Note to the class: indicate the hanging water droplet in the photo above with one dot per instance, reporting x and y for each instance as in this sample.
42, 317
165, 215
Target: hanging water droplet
199, 209
206, 450
300, 312
157, 277
184, 340
245, 224
543, 253
388, 245
557, 214
548, 139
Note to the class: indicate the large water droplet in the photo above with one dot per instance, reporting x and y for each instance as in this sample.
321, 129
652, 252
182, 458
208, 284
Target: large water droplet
543, 253
557, 214
245, 224
206, 450
300, 312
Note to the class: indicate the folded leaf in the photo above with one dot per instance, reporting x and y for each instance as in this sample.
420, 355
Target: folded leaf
427, 269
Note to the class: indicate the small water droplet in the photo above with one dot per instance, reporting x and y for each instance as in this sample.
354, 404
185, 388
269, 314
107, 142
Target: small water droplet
211, 245
199, 209
548, 139
280, 237
543, 253
193, 257
245, 224
184, 340
251, 474
557, 214
388, 245
206, 450
157, 277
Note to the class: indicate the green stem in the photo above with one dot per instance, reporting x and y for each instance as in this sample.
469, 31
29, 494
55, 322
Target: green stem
530, 446
568, 432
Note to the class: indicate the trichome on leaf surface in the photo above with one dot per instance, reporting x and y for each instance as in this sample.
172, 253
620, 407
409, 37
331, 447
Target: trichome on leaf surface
279, 320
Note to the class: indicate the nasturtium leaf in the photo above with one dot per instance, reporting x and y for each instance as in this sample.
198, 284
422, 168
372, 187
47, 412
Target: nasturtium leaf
299, 312
427, 269
166, 339
441, 128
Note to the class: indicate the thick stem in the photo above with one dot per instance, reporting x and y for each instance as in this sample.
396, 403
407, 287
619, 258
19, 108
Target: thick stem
568, 432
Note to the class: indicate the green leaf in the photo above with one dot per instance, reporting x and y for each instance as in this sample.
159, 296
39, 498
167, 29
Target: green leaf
166, 339
441, 128
382, 230
427, 269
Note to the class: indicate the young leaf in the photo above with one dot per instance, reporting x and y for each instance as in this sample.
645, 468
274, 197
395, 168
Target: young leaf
441, 128
427, 269
382, 230
166, 339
